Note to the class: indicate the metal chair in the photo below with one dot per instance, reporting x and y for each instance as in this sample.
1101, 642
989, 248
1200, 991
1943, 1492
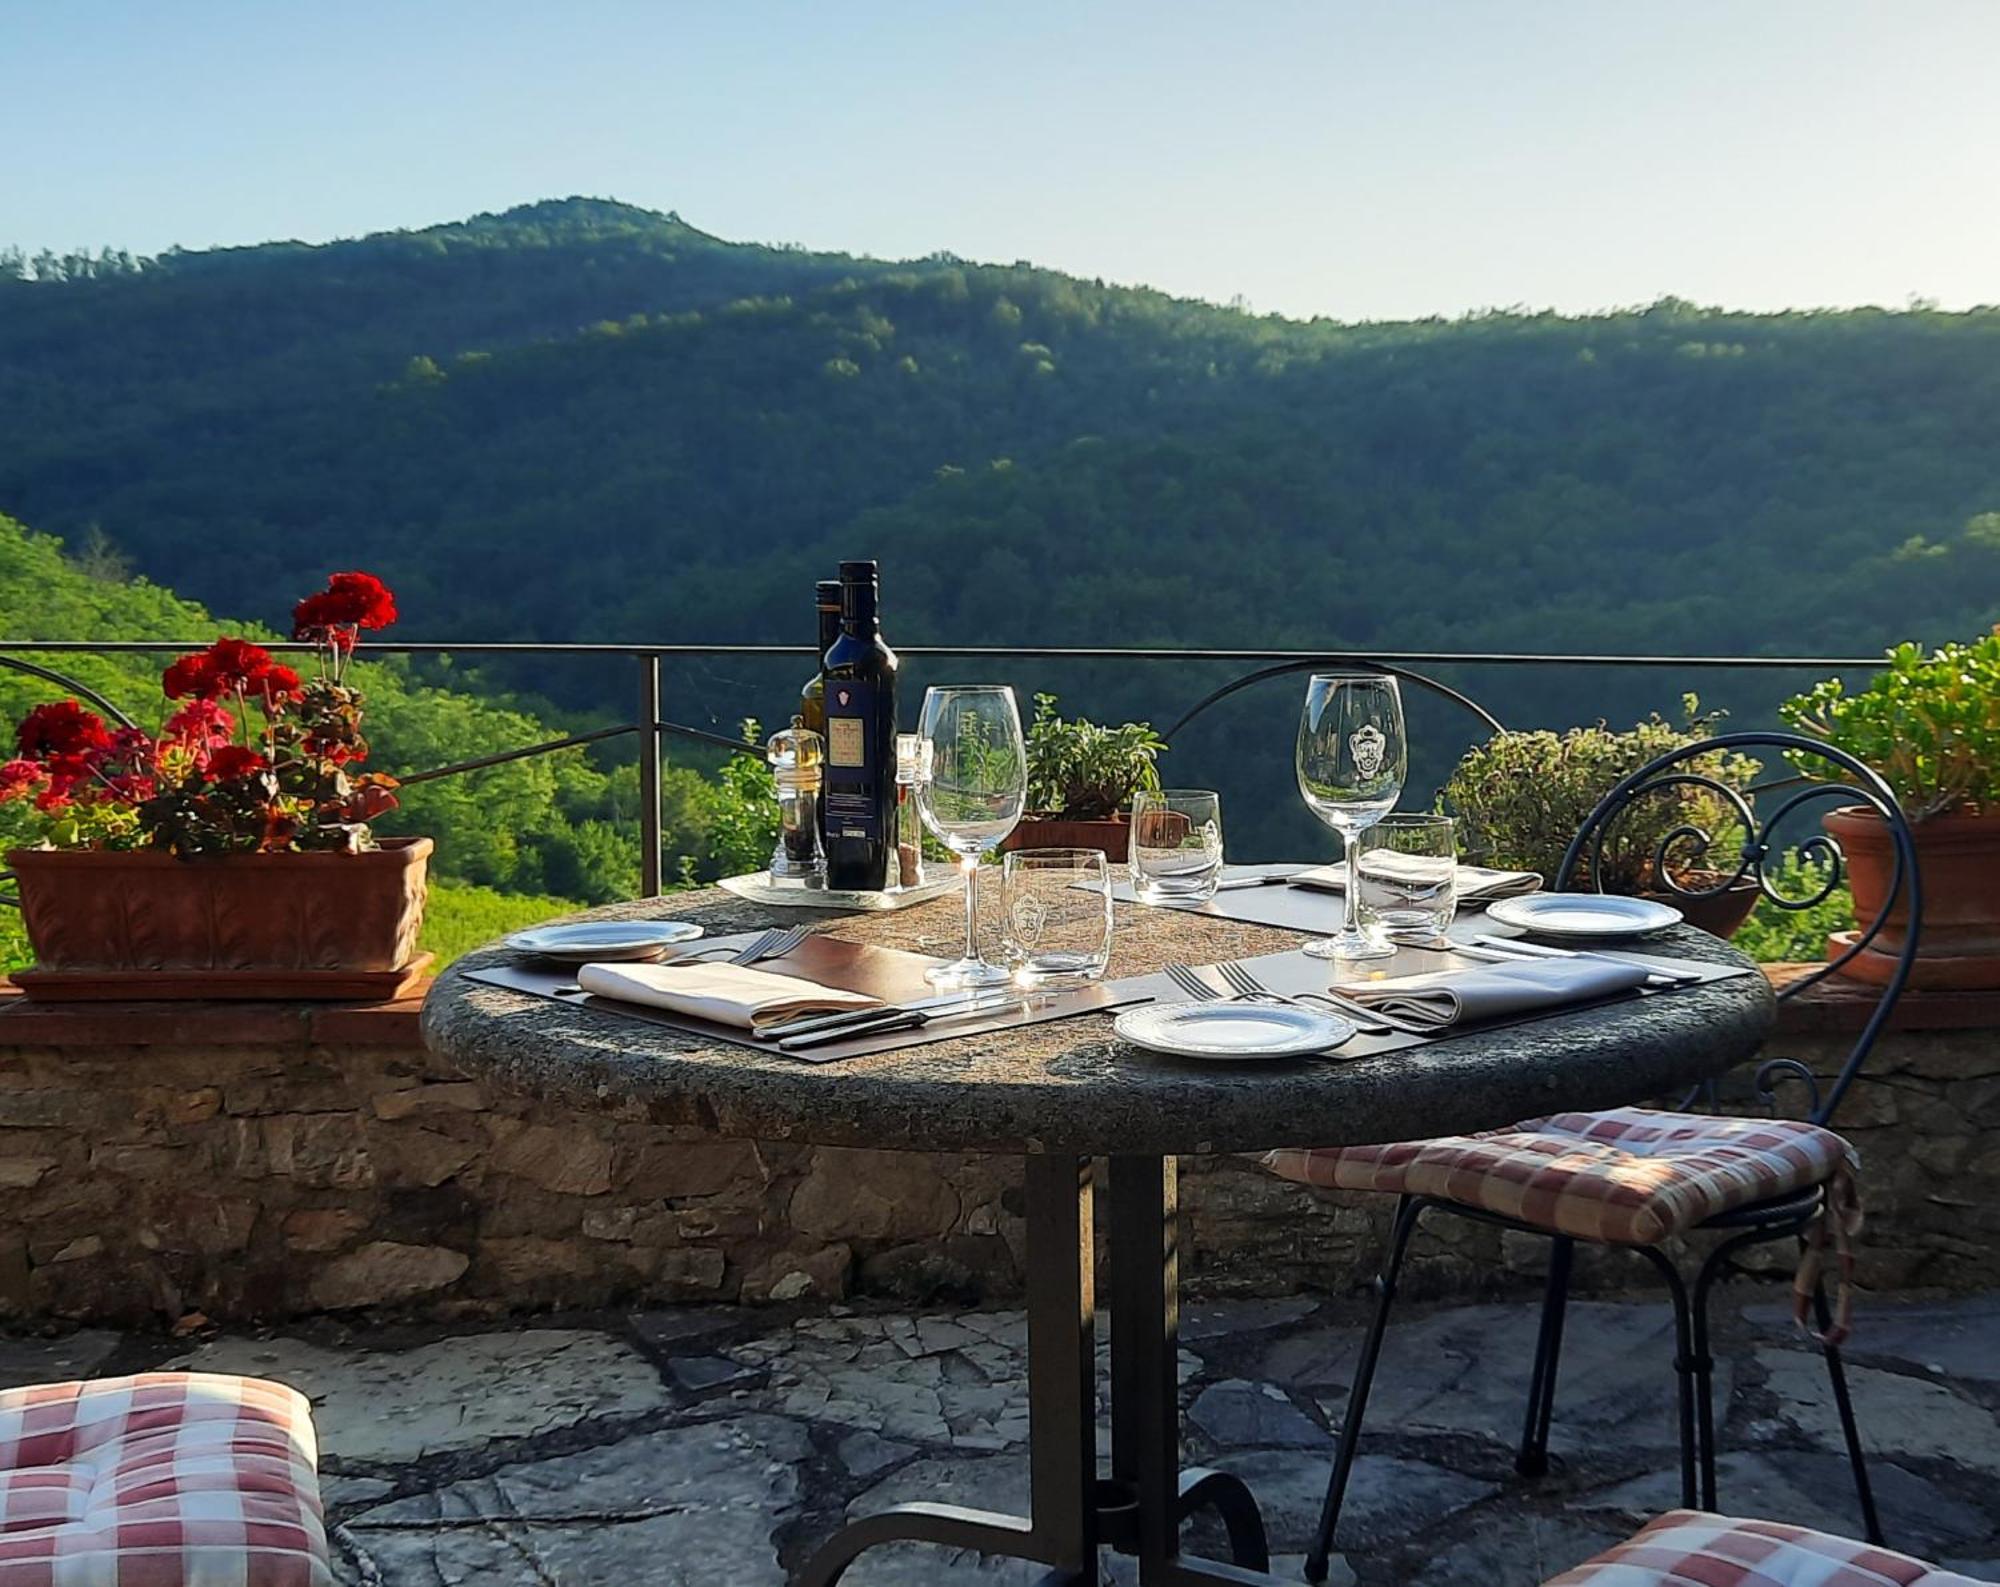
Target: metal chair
1789, 1215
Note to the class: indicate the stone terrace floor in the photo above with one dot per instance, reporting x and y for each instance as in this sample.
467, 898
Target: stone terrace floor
716, 1445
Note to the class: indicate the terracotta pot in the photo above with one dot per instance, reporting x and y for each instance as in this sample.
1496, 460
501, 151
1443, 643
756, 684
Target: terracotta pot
1052, 832
238, 916
1720, 914
1958, 857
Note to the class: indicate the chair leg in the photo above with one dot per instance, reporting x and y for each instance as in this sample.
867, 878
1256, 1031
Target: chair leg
1704, 1371
1408, 1210
1684, 1374
1864, 1491
1533, 1459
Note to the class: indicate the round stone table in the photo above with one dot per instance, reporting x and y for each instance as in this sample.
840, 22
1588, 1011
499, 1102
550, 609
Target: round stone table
1059, 1095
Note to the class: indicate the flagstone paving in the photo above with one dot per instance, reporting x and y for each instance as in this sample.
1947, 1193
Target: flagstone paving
715, 1446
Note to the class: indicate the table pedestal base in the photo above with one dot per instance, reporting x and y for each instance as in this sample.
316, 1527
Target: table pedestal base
1140, 1508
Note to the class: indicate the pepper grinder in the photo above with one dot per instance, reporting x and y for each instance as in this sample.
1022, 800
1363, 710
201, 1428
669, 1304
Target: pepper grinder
797, 757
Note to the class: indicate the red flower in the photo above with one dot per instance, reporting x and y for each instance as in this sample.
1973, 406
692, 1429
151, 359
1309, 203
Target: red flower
63, 728
17, 777
201, 723
349, 602
235, 760
229, 666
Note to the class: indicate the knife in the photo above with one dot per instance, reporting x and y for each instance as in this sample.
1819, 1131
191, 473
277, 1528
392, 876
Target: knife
1543, 950
894, 1019
807, 1024
1234, 883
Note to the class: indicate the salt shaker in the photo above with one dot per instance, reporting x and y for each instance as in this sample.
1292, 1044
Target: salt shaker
797, 757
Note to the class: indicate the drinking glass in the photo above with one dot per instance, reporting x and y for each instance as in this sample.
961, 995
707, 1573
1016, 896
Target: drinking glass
1057, 914
977, 788
1176, 845
1409, 876
1351, 760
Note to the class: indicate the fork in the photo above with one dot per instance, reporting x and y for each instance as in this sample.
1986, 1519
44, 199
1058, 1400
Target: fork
1184, 977
771, 943
1246, 985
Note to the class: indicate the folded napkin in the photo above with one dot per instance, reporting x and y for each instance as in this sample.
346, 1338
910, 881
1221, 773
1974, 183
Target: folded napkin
1497, 991
1476, 884
728, 994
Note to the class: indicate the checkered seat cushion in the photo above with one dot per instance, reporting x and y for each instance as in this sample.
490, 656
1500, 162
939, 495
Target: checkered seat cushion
1688, 1548
1628, 1176
166, 1479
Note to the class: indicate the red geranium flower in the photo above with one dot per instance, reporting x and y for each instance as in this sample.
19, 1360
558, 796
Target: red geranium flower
201, 722
17, 777
349, 602
235, 760
229, 666
63, 728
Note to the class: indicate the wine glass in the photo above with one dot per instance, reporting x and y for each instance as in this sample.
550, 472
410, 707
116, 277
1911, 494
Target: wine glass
1352, 758
977, 788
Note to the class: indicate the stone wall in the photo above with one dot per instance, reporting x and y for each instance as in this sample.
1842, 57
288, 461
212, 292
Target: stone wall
256, 1163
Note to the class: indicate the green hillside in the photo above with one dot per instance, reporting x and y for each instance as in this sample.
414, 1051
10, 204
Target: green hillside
583, 421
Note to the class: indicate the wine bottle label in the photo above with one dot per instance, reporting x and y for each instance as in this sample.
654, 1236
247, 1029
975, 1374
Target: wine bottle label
852, 806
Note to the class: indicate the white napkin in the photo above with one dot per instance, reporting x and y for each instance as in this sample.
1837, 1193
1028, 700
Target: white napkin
1497, 991
728, 994
1476, 884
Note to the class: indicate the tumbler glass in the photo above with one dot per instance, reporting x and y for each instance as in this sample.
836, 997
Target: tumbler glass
1176, 845
1057, 915
1406, 868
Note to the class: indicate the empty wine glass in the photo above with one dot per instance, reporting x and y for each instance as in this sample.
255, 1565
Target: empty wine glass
977, 788
1352, 758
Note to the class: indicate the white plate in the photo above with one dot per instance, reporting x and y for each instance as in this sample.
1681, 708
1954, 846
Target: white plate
604, 941
758, 888
1584, 916
1234, 1032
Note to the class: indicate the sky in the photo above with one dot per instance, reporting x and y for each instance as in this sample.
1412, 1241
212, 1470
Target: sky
1363, 161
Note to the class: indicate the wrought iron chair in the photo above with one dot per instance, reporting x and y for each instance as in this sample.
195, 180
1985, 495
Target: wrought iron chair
1799, 1172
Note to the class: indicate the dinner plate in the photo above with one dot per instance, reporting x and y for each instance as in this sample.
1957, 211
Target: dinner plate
604, 941
1584, 916
1232, 1032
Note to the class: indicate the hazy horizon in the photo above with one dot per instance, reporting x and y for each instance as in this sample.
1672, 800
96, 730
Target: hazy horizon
1354, 162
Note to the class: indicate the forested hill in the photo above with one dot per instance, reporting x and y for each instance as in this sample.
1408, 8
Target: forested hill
578, 419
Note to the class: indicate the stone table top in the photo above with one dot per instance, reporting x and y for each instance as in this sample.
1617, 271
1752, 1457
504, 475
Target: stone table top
1069, 1086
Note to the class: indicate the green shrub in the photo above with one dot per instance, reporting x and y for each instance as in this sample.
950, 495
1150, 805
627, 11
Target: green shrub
1520, 798
1083, 772
1929, 724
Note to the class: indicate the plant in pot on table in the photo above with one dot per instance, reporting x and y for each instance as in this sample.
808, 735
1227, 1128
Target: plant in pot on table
1930, 725
228, 854
1520, 798
1081, 778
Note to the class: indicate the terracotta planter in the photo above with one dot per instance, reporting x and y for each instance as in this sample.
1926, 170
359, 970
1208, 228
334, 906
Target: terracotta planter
1052, 832
1958, 857
1720, 914
144, 924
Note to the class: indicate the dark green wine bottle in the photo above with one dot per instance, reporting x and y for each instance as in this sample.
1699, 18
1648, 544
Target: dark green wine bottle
859, 805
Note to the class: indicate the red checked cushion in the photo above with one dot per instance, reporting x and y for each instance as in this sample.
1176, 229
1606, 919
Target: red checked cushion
167, 1479
1688, 1548
1627, 1176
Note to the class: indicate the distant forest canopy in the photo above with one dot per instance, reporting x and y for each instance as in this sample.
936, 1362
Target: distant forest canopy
580, 420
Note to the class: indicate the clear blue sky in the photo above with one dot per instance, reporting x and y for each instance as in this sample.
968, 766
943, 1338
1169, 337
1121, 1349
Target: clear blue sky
1362, 160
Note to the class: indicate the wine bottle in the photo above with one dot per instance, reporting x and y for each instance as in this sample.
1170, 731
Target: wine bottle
859, 804
812, 698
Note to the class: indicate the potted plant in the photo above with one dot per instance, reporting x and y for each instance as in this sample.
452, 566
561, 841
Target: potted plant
1520, 798
229, 854
1081, 778
1930, 725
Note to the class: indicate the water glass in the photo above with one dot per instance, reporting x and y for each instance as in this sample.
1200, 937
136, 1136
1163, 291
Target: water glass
1057, 915
1406, 870
1176, 845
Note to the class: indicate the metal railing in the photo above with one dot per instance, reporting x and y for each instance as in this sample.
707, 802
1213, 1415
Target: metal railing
653, 730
